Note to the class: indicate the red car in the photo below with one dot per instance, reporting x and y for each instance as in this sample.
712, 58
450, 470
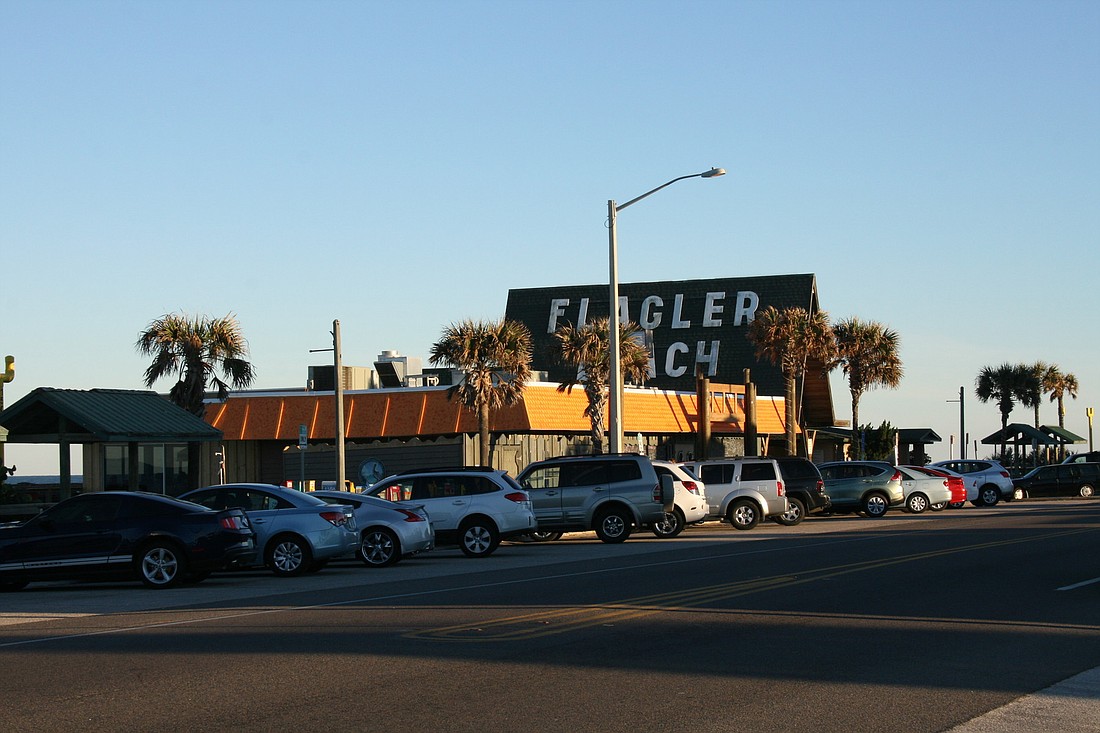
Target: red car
954, 482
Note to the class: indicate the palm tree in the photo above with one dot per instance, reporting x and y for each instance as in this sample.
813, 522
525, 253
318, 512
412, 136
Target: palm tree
587, 348
495, 359
1033, 376
1003, 385
1059, 384
867, 352
194, 348
788, 338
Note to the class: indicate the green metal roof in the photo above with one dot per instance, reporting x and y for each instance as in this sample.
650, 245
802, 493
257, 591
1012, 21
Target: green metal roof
918, 436
1020, 434
1061, 434
49, 415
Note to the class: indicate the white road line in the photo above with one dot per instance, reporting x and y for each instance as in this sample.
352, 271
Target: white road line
1082, 584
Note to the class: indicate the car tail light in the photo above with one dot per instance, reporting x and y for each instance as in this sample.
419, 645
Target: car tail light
897, 476
411, 516
234, 523
339, 519
779, 490
1006, 474
658, 495
691, 486
820, 486
518, 497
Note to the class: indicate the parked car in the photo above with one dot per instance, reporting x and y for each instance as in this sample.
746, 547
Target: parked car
742, 491
871, 487
475, 507
295, 532
805, 490
1063, 479
924, 490
991, 480
156, 539
388, 532
610, 494
1088, 457
955, 483
691, 503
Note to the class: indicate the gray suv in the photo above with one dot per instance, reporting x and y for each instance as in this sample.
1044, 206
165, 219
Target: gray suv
611, 494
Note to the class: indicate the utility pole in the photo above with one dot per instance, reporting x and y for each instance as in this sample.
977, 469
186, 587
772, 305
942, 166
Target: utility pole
338, 384
338, 363
7, 376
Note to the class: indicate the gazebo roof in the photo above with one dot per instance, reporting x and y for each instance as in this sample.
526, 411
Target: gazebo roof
1061, 434
1020, 434
49, 415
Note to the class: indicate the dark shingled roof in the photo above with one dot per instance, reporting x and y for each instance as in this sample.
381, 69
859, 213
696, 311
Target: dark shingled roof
47, 415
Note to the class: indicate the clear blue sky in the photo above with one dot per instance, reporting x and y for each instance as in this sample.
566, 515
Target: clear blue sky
401, 165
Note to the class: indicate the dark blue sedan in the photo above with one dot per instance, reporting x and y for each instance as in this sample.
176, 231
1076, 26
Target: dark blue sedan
156, 539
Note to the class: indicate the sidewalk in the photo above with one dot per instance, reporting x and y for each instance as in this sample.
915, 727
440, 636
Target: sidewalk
1071, 706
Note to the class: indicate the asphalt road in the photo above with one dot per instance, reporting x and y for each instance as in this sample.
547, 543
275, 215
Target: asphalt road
908, 623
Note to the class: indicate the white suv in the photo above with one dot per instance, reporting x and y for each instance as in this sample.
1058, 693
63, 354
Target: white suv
476, 507
691, 502
742, 491
992, 481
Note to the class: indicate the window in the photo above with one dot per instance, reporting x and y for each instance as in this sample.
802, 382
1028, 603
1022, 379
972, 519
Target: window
625, 471
721, 474
546, 477
586, 474
86, 510
757, 472
401, 490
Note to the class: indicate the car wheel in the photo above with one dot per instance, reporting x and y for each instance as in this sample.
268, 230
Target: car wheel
380, 548
613, 525
1018, 494
288, 555
875, 505
938, 506
161, 565
670, 525
1086, 491
916, 503
544, 536
478, 538
744, 514
989, 495
796, 512
956, 504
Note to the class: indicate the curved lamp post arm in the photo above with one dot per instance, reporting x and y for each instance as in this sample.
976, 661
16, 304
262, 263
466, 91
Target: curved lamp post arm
712, 173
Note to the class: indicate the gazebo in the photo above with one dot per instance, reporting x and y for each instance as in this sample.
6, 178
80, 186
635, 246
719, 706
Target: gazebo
127, 420
1020, 435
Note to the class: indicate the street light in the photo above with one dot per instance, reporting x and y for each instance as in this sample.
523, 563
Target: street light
615, 378
962, 422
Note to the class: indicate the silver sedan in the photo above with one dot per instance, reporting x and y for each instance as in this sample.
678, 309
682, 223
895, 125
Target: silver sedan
388, 531
296, 532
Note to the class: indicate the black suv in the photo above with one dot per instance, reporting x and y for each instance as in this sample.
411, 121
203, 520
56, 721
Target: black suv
1062, 479
805, 490
611, 494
